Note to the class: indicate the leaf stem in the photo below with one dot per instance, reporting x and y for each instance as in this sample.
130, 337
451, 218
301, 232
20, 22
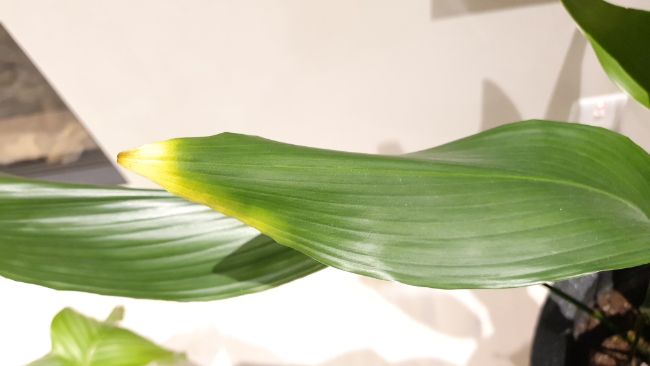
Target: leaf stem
591, 312
632, 341
637, 329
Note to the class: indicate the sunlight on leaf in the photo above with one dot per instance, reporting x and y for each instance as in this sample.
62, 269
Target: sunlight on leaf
512, 206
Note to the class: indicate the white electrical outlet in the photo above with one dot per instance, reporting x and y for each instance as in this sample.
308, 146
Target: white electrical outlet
603, 111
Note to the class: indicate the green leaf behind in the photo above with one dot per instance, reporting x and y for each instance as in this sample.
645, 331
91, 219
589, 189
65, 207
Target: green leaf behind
81, 341
136, 243
621, 40
520, 204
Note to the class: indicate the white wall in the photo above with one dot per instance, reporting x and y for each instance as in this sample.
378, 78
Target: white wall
344, 74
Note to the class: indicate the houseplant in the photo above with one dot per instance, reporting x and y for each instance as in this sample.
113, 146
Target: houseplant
532, 196
79, 340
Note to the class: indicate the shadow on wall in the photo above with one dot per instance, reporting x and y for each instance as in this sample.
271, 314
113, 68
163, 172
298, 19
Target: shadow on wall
435, 309
567, 86
499, 108
514, 316
361, 358
367, 357
390, 147
452, 8
208, 347
504, 338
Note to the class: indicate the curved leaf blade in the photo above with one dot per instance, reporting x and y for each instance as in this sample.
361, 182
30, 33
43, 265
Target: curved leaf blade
620, 39
517, 205
78, 340
134, 243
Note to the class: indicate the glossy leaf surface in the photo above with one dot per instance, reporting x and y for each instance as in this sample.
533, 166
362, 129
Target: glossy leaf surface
136, 243
520, 204
78, 340
620, 37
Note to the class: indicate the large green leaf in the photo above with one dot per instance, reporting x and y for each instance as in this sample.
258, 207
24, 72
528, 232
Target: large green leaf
621, 40
527, 202
81, 341
137, 243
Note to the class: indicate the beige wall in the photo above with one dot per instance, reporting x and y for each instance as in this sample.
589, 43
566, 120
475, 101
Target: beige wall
358, 75
339, 73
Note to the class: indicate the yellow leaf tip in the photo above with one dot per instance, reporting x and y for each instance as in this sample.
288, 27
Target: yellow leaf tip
146, 152
147, 160
123, 157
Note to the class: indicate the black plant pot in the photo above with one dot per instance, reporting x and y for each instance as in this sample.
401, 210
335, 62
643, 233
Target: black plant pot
553, 337
554, 343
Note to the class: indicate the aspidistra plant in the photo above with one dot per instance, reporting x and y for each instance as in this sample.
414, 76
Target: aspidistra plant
517, 205
134, 242
525, 203
619, 37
